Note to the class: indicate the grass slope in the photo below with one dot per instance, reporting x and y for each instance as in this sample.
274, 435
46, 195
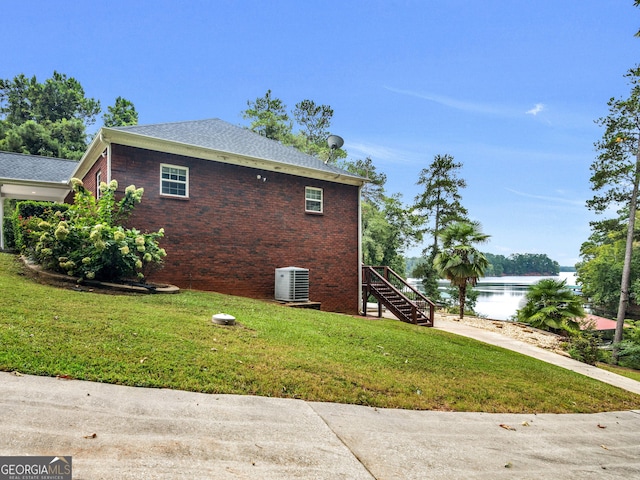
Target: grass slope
169, 341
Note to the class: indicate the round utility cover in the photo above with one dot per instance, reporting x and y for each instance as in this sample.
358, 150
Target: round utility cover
223, 319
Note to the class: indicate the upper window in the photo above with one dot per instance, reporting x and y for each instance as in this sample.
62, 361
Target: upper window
174, 180
313, 199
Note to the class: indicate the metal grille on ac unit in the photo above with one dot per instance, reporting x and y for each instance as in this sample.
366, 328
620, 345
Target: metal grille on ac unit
292, 284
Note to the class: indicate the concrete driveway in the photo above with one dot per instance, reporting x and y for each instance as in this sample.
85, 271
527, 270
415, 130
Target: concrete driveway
116, 432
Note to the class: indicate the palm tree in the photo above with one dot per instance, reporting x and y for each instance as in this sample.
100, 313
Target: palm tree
459, 261
550, 305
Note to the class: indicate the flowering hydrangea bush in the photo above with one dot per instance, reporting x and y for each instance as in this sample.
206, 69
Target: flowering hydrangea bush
88, 239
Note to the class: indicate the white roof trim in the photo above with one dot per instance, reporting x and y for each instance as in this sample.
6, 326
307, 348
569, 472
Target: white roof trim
108, 136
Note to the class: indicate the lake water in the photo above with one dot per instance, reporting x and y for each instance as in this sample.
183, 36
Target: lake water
500, 297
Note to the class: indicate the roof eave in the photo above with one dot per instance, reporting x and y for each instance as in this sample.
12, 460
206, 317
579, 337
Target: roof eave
37, 183
109, 135
94, 150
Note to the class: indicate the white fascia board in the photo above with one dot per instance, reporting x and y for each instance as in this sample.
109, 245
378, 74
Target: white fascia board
107, 136
91, 155
36, 183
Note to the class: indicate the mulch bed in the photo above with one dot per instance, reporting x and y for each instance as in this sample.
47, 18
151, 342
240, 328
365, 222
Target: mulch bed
36, 272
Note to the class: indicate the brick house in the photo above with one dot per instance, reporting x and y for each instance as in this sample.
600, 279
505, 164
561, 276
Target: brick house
235, 206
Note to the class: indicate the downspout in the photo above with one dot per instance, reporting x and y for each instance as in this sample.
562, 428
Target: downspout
108, 162
1, 219
362, 307
108, 144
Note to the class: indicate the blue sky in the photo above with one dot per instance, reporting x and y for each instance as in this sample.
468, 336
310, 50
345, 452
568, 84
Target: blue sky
510, 88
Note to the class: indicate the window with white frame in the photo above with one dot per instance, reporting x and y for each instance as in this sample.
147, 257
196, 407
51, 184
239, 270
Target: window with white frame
98, 180
313, 200
174, 180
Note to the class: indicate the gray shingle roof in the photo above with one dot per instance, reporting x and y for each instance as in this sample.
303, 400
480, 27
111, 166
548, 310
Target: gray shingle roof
18, 166
221, 136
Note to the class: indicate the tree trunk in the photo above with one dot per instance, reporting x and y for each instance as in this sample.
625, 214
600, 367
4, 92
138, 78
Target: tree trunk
436, 229
462, 292
626, 270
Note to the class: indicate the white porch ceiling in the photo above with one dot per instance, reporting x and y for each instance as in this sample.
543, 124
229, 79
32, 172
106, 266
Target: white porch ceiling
34, 191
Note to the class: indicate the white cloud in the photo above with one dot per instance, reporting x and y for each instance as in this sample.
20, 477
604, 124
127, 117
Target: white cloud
463, 105
536, 109
380, 152
569, 201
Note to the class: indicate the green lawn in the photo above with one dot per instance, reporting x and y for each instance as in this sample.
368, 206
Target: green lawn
169, 341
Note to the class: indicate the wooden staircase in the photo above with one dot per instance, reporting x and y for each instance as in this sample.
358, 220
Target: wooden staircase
400, 298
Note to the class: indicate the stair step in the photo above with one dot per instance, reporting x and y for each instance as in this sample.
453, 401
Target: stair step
400, 300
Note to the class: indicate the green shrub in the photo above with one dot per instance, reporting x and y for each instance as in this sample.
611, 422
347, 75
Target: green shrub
87, 240
629, 348
629, 354
605, 356
32, 208
24, 211
551, 306
584, 347
9, 236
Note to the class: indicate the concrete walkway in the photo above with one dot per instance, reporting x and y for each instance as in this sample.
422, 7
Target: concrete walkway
116, 432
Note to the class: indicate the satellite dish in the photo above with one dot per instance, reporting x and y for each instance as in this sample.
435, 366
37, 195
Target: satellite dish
335, 142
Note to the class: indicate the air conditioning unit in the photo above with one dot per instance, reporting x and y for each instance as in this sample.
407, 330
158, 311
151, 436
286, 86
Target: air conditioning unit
292, 284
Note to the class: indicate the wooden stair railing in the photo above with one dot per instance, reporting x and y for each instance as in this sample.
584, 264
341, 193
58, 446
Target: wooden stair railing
392, 291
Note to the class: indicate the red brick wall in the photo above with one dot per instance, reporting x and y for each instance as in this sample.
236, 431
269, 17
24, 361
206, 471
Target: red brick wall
235, 229
89, 180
